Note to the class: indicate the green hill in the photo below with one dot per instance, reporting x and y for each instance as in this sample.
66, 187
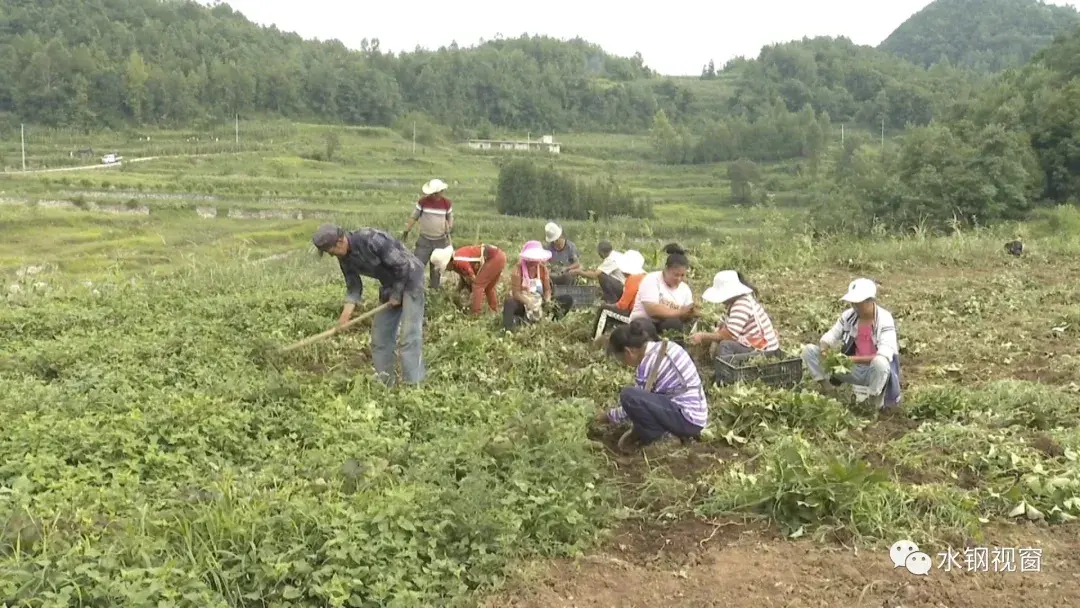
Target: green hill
852, 83
985, 35
110, 62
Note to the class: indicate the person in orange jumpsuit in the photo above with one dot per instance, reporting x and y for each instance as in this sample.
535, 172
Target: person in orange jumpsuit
480, 268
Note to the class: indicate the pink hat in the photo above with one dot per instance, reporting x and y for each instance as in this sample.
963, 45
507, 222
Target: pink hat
533, 251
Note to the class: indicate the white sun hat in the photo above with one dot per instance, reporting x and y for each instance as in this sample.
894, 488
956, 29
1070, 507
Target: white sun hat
725, 285
533, 251
440, 258
552, 232
435, 185
860, 290
631, 262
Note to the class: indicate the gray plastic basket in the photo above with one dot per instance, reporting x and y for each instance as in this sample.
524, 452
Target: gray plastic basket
786, 372
583, 295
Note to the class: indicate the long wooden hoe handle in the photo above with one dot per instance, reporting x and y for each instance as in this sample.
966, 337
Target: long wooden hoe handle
336, 329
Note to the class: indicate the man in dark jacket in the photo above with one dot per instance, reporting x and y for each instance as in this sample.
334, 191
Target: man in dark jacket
375, 254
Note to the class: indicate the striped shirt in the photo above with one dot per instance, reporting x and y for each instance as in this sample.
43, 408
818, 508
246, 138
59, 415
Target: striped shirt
751, 325
433, 213
677, 379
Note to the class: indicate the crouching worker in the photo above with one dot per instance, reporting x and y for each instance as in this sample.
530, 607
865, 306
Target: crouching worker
664, 298
668, 396
530, 286
611, 278
632, 265
748, 329
479, 267
867, 333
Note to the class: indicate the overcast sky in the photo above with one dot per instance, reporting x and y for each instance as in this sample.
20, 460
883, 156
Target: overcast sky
674, 36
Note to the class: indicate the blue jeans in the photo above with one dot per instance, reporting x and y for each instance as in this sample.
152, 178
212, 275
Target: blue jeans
384, 336
653, 415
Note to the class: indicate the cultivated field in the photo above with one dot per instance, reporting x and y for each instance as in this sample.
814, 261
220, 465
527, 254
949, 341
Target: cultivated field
155, 451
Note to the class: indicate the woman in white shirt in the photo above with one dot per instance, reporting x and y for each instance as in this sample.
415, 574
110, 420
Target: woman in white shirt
665, 298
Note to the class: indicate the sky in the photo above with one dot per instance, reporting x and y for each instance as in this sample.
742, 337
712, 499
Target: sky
675, 37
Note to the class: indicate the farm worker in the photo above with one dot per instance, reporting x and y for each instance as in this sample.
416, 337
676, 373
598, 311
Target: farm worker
564, 255
434, 212
668, 396
530, 287
608, 273
664, 297
865, 332
373, 253
632, 266
748, 328
480, 268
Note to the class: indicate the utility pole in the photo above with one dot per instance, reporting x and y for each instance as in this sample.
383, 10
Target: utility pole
414, 138
22, 136
238, 132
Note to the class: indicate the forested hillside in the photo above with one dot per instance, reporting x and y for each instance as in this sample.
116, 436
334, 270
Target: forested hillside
850, 82
96, 62
985, 35
1012, 150
108, 62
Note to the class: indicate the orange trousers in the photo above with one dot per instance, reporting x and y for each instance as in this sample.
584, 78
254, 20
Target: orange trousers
486, 282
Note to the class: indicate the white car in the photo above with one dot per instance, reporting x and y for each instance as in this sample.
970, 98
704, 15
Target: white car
110, 159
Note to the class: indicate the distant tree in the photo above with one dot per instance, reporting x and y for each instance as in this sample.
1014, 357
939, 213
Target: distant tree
667, 143
332, 143
709, 71
744, 175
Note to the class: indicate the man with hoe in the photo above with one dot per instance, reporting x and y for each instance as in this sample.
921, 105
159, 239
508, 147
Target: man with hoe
434, 213
373, 253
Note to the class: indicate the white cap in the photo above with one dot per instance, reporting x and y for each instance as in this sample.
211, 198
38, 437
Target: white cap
552, 232
860, 290
725, 285
435, 185
440, 258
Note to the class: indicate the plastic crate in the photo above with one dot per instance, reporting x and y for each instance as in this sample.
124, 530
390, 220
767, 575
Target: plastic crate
786, 372
583, 295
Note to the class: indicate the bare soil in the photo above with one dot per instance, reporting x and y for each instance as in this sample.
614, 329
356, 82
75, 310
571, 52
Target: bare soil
732, 564
747, 563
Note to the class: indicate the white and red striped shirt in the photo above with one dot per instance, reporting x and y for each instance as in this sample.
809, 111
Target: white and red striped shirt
751, 325
433, 213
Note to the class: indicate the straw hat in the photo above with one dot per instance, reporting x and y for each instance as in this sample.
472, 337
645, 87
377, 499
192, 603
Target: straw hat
725, 285
435, 185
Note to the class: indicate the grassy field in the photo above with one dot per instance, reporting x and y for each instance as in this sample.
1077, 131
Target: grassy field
157, 452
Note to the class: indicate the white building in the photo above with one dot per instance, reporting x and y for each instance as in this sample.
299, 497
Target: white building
545, 144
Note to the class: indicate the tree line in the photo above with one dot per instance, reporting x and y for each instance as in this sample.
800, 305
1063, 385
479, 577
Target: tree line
109, 62
773, 136
115, 62
527, 189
